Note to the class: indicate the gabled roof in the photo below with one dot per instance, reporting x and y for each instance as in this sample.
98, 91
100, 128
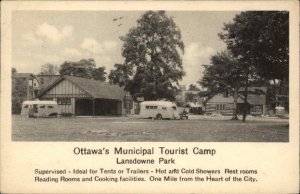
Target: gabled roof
256, 96
46, 80
256, 99
97, 89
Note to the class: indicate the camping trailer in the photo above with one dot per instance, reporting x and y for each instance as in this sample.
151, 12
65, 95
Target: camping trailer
159, 110
40, 108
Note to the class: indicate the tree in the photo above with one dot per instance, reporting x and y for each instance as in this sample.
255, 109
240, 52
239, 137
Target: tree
224, 74
260, 40
82, 68
121, 75
85, 68
99, 73
49, 69
18, 92
152, 52
193, 87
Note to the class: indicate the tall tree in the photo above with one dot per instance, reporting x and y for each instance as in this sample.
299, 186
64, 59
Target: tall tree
152, 51
82, 68
18, 92
49, 69
85, 68
224, 74
260, 40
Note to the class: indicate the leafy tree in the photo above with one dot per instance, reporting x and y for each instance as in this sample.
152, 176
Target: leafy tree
18, 92
85, 68
121, 75
260, 40
224, 74
193, 87
99, 73
49, 69
82, 68
152, 52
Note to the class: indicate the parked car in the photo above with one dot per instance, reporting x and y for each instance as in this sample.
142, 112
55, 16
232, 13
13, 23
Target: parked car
184, 114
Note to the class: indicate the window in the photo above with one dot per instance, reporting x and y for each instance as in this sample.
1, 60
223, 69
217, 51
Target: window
220, 107
64, 101
35, 108
257, 108
50, 106
42, 106
25, 106
151, 107
174, 107
164, 108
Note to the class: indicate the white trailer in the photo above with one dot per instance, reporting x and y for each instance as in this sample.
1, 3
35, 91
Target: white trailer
159, 110
37, 108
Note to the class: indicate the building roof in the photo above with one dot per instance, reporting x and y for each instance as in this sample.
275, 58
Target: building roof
219, 98
39, 102
256, 96
158, 103
45, 80
257, 90
24, 75
256, 99
97, 89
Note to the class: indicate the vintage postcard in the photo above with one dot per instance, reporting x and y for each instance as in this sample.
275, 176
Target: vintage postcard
149, 97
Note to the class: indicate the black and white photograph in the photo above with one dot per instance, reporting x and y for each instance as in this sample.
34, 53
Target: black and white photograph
149, 97
153, 75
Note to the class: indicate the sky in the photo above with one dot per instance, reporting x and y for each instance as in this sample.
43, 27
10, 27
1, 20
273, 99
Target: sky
40, 37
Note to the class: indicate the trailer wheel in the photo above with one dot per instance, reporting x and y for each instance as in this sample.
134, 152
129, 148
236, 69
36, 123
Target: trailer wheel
158, 117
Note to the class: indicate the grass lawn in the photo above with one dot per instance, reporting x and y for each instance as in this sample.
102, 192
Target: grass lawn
134, 129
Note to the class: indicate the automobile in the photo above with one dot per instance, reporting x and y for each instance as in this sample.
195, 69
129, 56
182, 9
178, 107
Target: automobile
184, 114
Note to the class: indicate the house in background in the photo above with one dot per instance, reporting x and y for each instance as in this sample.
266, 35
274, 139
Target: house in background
191, 99
80, 96
224, 103
31, 82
